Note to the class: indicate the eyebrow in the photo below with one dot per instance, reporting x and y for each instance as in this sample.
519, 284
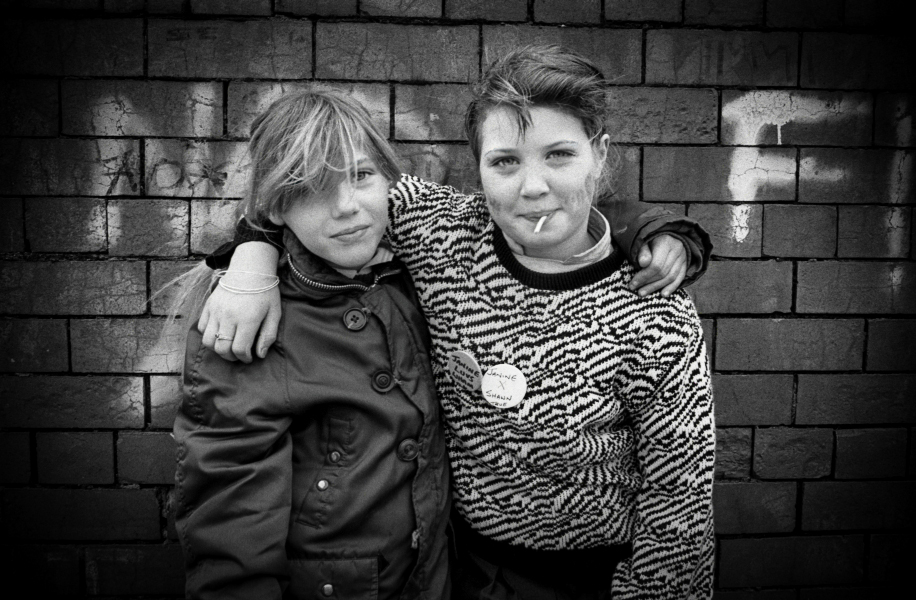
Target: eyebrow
548, 147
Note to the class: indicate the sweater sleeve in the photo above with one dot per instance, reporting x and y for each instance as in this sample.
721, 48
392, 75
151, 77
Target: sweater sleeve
234, 478
670, 400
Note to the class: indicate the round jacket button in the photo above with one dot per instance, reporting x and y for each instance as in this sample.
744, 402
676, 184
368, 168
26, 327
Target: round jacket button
355, 319
382, 381
408, 449
334, 456
323, 484
327, 589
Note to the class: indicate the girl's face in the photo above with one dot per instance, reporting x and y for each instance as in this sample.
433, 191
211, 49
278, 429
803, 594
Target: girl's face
344, 226
549, 171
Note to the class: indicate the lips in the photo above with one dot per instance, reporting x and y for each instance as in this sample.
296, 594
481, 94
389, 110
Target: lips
350, 233
536, 216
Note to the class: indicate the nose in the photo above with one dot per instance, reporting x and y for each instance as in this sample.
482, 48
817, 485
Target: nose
534, 184
345, 203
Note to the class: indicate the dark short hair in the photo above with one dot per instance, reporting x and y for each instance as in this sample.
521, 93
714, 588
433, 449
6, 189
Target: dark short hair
539, 75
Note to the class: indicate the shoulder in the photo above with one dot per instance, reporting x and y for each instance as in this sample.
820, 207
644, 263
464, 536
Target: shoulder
645, 320
413, 188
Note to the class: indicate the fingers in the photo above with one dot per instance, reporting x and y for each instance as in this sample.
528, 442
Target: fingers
204, 317
268, 334
244, 339
224, 340
660, 272
674, 285
211, 328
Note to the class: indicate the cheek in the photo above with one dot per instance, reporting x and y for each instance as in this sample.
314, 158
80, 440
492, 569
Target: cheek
498, 194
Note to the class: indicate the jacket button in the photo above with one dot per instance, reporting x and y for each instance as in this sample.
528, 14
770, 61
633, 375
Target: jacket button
408, 449
323, 484
355, 319
382, 382
334, 456
327, 589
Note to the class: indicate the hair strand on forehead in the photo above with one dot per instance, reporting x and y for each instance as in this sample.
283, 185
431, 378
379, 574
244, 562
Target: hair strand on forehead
546, 76
306, 144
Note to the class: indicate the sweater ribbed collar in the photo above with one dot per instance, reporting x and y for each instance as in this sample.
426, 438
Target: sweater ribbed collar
569, 280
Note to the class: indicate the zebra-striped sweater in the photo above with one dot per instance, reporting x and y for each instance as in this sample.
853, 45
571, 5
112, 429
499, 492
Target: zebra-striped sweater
614, 439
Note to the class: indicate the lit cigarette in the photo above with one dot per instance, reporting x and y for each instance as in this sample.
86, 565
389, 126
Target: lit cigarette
537, 228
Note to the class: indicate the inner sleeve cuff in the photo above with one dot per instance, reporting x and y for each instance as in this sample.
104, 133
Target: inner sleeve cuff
245, 232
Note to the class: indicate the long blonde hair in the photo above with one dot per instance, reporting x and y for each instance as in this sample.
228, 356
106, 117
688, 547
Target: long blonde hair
302, 146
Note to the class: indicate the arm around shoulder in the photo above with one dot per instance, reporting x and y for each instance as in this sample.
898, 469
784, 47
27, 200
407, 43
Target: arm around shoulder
633, 224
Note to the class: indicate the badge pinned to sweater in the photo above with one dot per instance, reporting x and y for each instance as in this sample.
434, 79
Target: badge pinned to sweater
504, 386
465, 371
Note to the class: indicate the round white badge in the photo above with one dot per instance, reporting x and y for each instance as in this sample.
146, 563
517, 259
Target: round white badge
504, 386
464, 370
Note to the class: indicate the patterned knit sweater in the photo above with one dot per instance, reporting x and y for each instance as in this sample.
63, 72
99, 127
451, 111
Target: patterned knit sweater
614, 439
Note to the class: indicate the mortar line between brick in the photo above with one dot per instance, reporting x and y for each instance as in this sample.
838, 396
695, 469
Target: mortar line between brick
719, 118
644, 39
793, 307
26, 244
793, 412
225, 87
114, 456
147, 401
392, 90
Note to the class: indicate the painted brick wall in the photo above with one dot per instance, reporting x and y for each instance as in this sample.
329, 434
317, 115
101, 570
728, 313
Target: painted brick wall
785, 126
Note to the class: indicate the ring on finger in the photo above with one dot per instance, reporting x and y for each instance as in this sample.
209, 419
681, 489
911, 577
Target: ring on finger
220, 336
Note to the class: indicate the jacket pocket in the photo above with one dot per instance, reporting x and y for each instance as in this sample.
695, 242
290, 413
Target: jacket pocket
348, 578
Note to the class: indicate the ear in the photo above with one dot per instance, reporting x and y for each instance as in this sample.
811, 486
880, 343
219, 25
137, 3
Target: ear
277, 220
601, 148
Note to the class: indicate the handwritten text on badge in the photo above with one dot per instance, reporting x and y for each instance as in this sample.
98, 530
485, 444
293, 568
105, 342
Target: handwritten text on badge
464, 370
504, 386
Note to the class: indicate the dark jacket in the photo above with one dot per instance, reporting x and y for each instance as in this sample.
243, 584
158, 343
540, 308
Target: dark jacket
319, 471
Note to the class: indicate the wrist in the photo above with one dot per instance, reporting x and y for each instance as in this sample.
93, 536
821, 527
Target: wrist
257, 258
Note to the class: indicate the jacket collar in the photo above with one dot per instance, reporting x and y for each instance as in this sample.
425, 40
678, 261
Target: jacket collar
317, 270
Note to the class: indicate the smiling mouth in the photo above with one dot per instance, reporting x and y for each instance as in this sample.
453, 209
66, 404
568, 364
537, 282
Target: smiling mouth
350, 233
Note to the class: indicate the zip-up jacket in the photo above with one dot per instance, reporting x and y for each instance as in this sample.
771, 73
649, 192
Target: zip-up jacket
319, 471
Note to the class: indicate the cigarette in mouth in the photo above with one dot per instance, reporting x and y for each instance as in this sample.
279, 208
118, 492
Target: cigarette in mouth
537, 228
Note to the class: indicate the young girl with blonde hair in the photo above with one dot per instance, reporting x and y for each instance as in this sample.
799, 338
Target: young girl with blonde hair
320, 470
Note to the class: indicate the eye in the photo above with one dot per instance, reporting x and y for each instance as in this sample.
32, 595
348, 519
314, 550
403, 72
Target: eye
560, 154
363, 174
504, 161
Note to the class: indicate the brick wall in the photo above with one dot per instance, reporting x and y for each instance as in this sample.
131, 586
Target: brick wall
785, 126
